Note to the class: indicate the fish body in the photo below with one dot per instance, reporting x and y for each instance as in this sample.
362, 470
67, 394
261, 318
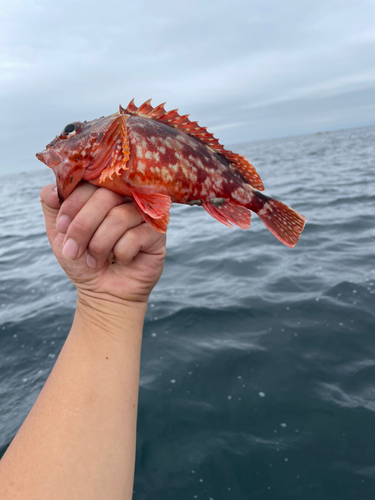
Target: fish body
158, 158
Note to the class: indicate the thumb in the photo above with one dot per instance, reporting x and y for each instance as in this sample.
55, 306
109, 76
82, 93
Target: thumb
51, 206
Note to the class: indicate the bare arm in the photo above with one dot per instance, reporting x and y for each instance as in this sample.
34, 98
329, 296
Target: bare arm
78, 441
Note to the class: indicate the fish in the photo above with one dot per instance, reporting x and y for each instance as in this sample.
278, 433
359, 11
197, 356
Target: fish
158, 157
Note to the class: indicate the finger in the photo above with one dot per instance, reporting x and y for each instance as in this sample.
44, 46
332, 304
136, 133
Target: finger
50, 205
48, 196
142, 238
87, 221
119, 220
73, 204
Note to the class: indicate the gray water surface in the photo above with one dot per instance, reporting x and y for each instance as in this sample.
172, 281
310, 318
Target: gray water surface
258, 361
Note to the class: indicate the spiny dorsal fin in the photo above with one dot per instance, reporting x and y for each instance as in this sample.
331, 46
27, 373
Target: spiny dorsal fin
173, 119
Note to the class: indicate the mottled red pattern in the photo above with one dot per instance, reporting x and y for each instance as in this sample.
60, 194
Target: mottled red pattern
158, 157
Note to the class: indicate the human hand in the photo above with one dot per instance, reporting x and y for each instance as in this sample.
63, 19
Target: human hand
103, 244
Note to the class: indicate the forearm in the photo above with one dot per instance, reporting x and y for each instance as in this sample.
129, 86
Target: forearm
80, 434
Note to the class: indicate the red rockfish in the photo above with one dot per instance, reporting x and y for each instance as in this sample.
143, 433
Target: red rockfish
158, 158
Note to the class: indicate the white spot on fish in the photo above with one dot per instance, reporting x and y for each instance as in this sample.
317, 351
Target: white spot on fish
199, 163
168, 143
148, 155
241, 195
218, 181
193, 177
141, 167
185, 171
136, 136
266, 208
207, 182
166, 173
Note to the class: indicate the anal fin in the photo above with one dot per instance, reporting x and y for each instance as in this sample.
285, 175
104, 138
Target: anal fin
153, 204
229, 213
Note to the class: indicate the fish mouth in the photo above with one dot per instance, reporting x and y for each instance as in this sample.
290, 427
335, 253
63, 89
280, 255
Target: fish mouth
49, 157
67, 178
67, 173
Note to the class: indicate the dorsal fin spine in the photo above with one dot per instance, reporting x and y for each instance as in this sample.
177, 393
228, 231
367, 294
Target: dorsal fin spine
173, 119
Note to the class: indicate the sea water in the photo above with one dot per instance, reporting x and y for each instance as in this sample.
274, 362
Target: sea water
258, 361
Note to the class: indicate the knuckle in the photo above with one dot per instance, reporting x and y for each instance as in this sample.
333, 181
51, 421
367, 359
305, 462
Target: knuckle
96, 247
133, 235
118, 215
80, 226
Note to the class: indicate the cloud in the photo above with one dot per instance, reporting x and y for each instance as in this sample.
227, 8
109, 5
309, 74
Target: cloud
248, 69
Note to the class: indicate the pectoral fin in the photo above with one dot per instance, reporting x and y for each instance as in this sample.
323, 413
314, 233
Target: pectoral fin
155, 205
154, 209
160, 225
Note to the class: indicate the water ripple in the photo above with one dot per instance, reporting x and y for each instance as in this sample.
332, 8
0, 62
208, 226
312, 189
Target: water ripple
257, 363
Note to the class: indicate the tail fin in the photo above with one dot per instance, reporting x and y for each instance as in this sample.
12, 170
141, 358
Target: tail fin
283, 222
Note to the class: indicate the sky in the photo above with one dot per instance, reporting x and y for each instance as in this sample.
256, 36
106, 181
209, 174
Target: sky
246, 69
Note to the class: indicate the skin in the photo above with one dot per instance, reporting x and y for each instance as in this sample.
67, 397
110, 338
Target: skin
78, 441
151, 152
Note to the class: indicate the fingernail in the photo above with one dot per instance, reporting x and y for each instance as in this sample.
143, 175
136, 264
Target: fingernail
63, 223
54, 189
91, 262
70, 249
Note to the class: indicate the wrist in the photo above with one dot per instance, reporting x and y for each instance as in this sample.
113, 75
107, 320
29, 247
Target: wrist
100, 317
109, 305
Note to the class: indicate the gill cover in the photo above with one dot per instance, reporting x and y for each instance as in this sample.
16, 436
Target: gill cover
84, 151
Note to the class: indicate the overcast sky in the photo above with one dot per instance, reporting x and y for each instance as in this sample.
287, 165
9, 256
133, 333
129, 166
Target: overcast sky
247, 69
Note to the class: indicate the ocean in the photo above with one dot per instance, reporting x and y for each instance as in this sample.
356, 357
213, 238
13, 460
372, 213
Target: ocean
258, 361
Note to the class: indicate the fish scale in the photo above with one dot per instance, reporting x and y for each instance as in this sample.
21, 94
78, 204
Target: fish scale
175, 164
158, 158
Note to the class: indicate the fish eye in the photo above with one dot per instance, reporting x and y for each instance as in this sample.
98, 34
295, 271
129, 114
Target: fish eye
71, 129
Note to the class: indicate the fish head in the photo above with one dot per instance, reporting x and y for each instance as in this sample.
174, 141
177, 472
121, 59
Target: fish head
83, 150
